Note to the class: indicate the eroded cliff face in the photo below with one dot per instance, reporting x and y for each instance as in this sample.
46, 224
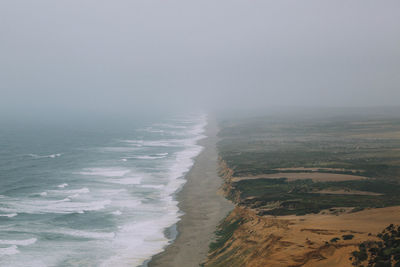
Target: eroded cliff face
227, 174
251, 240
224, 171
267, 241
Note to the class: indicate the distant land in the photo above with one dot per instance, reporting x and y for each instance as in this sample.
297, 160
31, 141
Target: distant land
310, 190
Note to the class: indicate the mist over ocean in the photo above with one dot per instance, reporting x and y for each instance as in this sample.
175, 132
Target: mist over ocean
92, 197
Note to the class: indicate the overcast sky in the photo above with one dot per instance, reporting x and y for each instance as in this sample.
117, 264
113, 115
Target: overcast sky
126, 55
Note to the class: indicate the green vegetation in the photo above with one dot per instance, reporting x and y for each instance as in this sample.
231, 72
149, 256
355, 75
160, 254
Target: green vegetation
380, 253
280, 197
304, 150
224, 233
347, 237
370, 144
335, 239
365, 145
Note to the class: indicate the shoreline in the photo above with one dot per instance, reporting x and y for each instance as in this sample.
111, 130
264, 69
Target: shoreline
202, 206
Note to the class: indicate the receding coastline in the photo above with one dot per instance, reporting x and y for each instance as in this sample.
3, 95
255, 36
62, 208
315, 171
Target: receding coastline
203, 208
310, 191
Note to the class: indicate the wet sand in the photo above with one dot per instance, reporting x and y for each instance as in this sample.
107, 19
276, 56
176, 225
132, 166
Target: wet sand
203, 209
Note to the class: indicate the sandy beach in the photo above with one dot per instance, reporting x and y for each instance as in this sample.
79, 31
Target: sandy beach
203, 209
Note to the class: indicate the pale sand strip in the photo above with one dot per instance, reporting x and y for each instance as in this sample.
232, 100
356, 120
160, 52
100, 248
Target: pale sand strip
202, 206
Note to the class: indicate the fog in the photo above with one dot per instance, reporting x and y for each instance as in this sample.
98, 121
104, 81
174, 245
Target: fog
121, 57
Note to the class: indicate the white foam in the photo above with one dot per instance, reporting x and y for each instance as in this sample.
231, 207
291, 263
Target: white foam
43, 194
77, 191
23, 242
182, 164
45, 156
106, 172
126, 181
158, 143
84, 234
128, 203
141, 222
149, 157
9, 250
151, 130
117, 212
137, 143
152, 186
83, 190
9, 215
2, 209
64, 206
146, 238
173, 126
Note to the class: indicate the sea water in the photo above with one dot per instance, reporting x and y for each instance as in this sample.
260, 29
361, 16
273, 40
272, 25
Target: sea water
92, 197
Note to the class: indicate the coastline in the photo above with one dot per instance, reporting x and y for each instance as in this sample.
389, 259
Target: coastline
203, 208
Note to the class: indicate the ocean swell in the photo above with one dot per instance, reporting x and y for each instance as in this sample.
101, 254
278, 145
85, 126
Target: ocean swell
109, 204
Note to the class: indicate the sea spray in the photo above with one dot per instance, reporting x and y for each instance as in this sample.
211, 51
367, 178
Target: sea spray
107, 199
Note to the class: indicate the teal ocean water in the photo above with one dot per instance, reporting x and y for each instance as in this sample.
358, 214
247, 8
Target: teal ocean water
102, 196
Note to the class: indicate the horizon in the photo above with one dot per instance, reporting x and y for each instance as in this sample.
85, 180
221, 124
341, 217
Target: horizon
133, 56
168, 133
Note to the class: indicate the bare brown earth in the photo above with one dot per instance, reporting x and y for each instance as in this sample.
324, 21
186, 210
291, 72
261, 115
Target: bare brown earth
315, 176
299, 240
250, 239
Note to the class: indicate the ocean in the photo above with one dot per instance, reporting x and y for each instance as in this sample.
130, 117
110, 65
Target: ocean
100, 196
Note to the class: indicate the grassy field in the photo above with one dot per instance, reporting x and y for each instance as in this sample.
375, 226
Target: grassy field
362, 144
280, 197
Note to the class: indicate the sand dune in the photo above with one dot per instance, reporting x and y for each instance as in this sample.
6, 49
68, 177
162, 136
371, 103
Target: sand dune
300, 240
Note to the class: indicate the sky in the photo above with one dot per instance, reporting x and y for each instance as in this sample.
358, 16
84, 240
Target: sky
132, 56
